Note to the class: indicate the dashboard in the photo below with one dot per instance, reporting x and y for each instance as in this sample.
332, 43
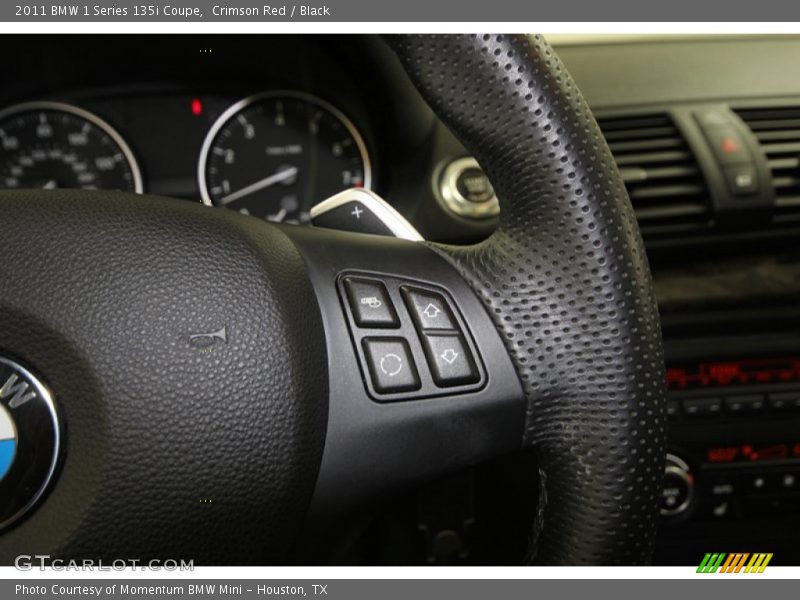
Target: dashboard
705, 130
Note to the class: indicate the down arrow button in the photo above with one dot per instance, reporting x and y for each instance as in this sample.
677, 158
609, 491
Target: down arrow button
450, 359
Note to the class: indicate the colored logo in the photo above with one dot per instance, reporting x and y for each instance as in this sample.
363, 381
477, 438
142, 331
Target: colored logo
8, 441
30, 440
734, 563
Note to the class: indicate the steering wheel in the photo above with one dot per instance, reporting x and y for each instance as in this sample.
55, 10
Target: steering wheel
216, 377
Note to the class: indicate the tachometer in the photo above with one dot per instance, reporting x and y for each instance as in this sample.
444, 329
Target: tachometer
51, 145
276, 154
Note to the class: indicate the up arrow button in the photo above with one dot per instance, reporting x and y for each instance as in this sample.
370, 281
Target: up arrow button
429, 309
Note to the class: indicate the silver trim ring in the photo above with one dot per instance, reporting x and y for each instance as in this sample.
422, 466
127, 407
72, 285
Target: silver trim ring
680, 469
445, 184
47, 397
237, 107
138, 186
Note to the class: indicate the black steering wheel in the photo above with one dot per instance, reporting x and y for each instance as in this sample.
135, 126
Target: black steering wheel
216, 376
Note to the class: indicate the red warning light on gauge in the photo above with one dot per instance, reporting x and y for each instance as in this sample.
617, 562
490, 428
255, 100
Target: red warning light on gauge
197, 107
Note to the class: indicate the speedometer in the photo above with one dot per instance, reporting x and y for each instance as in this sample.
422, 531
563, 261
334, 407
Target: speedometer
51, 145
274, 155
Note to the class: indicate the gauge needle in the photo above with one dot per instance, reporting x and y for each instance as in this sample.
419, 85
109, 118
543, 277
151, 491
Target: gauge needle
259, 185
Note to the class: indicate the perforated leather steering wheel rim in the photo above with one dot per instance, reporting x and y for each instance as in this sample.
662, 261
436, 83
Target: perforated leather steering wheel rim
566, 280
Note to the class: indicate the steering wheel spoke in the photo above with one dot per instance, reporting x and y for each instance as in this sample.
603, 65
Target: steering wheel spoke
420, 382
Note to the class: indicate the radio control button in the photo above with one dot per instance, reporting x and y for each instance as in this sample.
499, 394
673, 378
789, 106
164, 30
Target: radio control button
702, 407
744, 404
774, 482
790, 481
722, 489
673, 409
762, 483
720, 509
722, 496
784, 401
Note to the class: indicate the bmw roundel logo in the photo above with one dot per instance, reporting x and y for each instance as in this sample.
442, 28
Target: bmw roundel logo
8, 441
30, 440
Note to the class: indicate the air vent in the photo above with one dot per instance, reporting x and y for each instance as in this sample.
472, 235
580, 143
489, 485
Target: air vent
665, 184
778, 132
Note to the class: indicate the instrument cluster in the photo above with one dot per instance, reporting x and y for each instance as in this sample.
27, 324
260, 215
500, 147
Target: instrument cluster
271, 155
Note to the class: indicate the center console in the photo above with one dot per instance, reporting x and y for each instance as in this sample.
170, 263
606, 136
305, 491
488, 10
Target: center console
732, 473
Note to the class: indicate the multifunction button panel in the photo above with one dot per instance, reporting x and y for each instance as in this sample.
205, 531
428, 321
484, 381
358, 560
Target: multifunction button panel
411, 339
